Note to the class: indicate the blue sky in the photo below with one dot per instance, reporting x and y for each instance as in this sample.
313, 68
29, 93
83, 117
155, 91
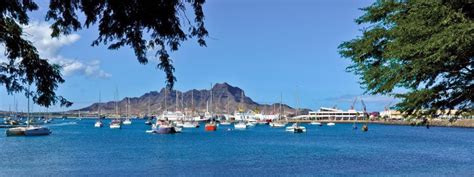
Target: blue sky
265, 47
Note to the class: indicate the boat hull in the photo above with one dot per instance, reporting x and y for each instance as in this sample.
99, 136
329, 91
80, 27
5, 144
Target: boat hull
98, 124
166, 130
210, 127
115, 126
28, 131
240, 126
18, 131
37, 131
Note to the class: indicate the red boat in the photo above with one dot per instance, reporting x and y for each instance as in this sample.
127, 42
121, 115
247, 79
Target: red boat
211, 126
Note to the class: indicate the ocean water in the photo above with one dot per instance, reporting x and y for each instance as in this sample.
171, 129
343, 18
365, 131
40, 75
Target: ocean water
76, 148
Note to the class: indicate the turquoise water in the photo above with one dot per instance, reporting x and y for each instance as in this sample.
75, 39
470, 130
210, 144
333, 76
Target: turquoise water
82, 150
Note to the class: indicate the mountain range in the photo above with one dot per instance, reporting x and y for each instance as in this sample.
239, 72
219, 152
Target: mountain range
225, 99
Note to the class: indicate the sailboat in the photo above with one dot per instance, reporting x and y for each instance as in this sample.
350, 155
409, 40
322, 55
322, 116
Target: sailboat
98, 122
116, 123
278, 123
241, 124
29, 130
127, 120
295, 128
47, 119
211, 125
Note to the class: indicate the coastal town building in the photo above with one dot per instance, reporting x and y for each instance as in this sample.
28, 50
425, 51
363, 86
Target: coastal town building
331, 114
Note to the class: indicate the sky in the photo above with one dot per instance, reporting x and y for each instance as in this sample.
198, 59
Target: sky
265, 47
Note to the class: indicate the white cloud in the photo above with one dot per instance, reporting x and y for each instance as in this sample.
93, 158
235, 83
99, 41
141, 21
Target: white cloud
40, 35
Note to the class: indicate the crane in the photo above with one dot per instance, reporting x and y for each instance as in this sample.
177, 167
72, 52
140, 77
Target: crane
353, 103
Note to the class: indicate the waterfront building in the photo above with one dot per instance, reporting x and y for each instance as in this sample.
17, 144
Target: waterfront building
331, 114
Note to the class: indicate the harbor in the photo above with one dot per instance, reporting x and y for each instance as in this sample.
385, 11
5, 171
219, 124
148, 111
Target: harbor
76, 148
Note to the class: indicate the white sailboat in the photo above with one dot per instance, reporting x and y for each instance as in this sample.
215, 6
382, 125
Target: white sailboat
29, 130
279, 123
127, 120
116, 123
240, 125
98, 122
295, 128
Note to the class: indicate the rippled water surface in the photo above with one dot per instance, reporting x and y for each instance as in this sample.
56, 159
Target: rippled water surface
79, 149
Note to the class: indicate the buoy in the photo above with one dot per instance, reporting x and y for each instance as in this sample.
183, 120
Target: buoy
365, 128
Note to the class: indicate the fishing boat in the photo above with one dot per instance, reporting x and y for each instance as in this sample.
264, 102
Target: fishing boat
240, 125
330, 124
295, 128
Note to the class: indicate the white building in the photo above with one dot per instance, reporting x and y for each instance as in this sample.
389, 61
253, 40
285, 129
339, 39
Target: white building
331, 114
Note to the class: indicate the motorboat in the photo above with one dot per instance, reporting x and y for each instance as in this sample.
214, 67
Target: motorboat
240, 125
315, 123
225, 123
330, 124
296, 129
211, 126
127, 121
166, 129
116, 124
277, 124
189, 125
251, 124
98, 124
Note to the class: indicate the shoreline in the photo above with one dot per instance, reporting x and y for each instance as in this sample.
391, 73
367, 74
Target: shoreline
462, 123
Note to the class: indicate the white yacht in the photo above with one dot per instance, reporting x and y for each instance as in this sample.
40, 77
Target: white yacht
295, 128
277, 124
98, 124
240, 125
315, 123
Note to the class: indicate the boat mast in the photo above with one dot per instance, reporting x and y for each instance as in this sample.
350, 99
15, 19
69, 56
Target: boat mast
128, 107
177, 98
192, 102
98, 106
148, 106
166, 93
28, 114
211, 100
281, 99
116, 104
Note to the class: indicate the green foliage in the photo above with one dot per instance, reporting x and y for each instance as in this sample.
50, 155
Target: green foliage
425, 47
24, 66
142, 25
